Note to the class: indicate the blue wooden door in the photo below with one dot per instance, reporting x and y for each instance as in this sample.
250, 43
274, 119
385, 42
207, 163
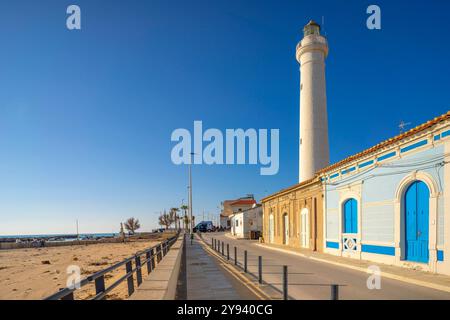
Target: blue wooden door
351, 216
417, 199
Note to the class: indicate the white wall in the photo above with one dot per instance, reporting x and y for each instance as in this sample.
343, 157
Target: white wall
249, 220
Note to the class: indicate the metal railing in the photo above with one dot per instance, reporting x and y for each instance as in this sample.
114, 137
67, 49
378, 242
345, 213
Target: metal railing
216, 245
153, 256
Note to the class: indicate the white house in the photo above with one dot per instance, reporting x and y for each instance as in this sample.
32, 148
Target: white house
232, 206
243, 222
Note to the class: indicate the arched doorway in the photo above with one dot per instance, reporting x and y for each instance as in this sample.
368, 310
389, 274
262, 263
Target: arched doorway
417, 204
286, 229
304, 228
271, 228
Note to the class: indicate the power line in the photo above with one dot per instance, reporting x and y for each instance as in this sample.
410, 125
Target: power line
437, 165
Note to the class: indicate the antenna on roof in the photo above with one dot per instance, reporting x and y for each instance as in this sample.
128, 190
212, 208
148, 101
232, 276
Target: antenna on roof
402, 126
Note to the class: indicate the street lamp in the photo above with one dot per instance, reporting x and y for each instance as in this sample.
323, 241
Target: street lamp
190, 194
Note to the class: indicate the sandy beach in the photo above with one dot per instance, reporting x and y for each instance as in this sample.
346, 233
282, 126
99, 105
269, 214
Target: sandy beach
36, 273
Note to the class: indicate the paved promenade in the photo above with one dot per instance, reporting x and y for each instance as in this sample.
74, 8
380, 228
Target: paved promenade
311, 279
207, 280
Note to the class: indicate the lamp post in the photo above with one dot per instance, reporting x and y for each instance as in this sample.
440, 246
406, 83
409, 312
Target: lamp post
190, 194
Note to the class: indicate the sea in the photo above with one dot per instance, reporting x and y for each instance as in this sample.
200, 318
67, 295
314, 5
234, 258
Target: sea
64, 237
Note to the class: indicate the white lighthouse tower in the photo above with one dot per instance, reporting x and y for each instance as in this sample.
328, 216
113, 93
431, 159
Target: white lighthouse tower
314, 150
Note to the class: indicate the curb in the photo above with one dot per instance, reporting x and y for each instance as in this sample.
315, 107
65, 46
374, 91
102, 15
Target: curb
384, 274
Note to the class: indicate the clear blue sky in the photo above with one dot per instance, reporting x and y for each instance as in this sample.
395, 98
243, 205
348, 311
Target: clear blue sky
86, 116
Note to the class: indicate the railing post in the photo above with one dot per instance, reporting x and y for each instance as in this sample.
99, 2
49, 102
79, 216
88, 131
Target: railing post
129, 268
228, 251
218, 246
334, 292
222, 248
161, 252
100, 284
212, 242
285, 283
245, 261
138, 270
235, 256
148, 257
214, 247
260, 269
69, 296
153, 257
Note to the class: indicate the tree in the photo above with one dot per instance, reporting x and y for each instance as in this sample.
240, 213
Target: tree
174, 216
165, 219
185, 219
186, 223
132, 225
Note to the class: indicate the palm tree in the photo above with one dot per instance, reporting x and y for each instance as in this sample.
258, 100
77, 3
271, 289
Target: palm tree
132, 225
186, 223
174, 216
185, 219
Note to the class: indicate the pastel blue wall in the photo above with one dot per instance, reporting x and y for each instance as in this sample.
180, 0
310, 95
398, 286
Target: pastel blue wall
440, 221
378, 193
378, 222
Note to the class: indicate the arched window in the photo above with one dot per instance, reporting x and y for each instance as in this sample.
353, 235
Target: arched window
285, 228
304, 228
271, 228
350, 209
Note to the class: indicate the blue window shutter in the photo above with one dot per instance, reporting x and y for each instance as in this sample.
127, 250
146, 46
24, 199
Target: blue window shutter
354, 216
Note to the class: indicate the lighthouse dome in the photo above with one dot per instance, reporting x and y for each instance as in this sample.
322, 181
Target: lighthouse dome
311, 28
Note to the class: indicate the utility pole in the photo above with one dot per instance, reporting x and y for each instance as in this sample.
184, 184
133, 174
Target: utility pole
78, 235
190, 194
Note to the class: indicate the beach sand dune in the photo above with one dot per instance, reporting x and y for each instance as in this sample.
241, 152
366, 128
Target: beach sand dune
36, 273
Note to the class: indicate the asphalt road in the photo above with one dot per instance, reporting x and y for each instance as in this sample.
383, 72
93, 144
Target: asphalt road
309, 279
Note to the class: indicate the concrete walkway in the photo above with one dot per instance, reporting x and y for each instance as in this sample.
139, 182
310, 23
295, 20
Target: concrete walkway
207, 279
161, 283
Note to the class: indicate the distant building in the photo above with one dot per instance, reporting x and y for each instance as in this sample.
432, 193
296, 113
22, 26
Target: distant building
232, 206
244, 222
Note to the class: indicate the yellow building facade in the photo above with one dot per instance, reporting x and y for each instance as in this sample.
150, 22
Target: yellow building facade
294, 217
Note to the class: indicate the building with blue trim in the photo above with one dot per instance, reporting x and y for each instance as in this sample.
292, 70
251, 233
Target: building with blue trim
387, 204
391, 203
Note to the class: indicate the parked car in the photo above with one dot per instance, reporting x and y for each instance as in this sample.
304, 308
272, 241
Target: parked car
204, 226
